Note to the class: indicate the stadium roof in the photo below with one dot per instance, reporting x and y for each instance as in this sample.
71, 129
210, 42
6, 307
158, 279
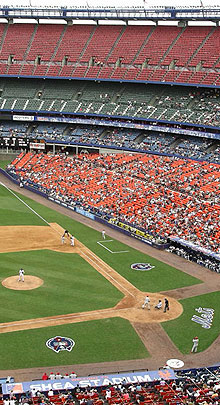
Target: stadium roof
159, 13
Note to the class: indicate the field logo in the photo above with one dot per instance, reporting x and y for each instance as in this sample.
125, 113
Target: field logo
59, 343
142, 266
206, 317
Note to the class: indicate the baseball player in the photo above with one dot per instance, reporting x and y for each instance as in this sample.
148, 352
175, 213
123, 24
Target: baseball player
146, 303
21, 275
195, 344
103, 234
66, 233
159, 305
62, 239
72, 240
166, 305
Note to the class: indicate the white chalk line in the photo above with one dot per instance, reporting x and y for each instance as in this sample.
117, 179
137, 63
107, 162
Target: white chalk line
59, 234
103, 271
100, 243
109, 250
28, 206
62, 318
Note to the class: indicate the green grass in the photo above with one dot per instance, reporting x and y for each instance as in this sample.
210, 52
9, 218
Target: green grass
70, 285
182, 330
95, 341
162, 277
4, 163
14, 212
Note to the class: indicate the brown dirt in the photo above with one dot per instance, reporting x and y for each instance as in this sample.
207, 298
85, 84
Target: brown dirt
130, 307
152, 334
30, 283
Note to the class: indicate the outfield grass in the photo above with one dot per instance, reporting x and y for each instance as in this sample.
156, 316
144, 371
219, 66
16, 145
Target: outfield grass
182, 330
70, 285
162, 277
95, 341
14, 212
4, 163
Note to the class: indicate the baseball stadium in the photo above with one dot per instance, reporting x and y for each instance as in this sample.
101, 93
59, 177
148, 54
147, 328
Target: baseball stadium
109, 205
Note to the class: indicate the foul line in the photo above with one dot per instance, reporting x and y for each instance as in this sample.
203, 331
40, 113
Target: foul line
109, 250
28, 206
61, 318
103, 271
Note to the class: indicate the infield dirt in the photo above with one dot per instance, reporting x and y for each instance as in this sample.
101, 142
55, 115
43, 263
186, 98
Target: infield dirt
49, 237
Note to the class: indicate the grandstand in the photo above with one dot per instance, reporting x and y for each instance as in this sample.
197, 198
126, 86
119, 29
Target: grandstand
121, 122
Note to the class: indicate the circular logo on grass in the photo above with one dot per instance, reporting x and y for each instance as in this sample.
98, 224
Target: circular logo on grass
142, 266
59, 343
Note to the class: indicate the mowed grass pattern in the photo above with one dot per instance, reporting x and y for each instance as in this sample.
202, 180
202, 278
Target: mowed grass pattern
70, 285
182, 330
103, 340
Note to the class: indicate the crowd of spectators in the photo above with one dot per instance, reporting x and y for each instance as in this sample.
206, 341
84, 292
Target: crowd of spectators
189, 254
123, 138
163, 195
192, 387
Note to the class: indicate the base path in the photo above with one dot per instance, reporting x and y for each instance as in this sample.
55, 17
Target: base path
130, 307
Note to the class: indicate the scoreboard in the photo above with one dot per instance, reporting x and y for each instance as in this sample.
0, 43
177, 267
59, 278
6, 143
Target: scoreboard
14, 142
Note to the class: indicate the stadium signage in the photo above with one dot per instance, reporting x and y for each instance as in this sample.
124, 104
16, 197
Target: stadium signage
59, 343
94, 381
84, 213
23, 117
158, 128
37, 145
205, 318
144, 236
142, 266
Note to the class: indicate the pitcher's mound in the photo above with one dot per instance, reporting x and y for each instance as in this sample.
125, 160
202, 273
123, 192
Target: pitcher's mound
30, 282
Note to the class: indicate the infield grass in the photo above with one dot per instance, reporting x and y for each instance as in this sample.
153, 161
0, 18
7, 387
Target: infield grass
70, 285
95, 341
182, 330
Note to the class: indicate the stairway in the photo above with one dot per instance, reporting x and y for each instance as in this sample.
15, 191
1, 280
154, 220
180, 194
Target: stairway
200, 46
171, 46
144, 43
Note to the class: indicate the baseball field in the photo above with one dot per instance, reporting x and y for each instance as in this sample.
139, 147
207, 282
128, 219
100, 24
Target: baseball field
89, 293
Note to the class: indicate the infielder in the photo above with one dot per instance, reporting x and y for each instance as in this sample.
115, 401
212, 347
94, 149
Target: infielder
21, 275
72, 240
103, 234
62, 239
195, 344
146, 303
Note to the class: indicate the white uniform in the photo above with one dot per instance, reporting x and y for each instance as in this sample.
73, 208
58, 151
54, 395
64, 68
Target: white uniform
72, 240
21, 275
103, 234
146, 303
62, 239
159, 305
195, 344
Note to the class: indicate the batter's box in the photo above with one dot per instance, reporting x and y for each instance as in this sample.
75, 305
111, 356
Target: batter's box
103, 242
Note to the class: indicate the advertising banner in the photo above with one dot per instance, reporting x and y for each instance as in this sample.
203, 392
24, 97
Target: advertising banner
92, 381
